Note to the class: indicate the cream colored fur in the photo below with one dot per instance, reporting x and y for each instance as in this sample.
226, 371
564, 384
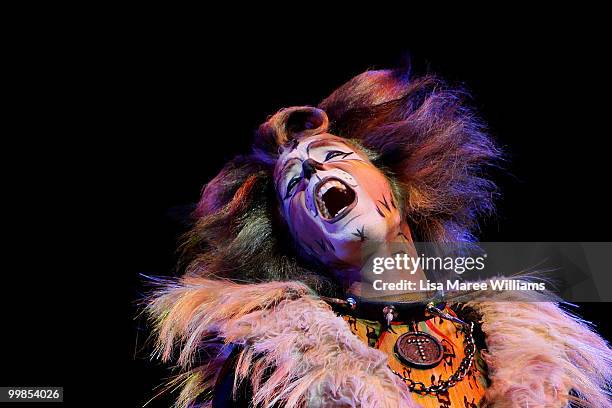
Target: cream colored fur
536, 352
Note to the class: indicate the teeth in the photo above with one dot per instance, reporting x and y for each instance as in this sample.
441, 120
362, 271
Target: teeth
323, 208
329, 184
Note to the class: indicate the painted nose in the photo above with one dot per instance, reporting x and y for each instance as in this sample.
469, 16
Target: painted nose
309, 167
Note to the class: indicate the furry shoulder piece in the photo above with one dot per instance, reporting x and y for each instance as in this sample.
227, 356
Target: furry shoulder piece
296, 352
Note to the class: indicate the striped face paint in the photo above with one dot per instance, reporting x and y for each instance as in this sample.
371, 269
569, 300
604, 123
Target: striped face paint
334, 199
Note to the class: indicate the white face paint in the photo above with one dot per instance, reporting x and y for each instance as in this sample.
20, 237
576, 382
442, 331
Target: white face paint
334, 199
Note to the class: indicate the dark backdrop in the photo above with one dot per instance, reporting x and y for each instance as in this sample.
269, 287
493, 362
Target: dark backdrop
156, 110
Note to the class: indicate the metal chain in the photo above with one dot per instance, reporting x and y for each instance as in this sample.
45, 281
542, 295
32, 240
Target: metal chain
465, 365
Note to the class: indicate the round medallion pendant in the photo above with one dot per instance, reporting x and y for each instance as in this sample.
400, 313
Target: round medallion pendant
419, 349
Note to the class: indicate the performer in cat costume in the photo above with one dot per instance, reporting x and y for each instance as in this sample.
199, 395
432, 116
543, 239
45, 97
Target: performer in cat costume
271, 309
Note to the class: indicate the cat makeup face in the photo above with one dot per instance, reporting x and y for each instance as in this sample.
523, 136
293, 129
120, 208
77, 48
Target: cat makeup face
334, 199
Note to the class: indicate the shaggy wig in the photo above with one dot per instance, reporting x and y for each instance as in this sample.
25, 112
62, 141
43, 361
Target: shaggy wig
418, 131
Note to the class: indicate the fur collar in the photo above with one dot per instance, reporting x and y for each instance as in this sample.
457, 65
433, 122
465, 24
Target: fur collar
536, 352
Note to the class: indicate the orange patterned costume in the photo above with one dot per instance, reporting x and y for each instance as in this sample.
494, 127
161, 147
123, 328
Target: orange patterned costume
467, 393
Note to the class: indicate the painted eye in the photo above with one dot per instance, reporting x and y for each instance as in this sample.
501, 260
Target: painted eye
336, 153
291, 186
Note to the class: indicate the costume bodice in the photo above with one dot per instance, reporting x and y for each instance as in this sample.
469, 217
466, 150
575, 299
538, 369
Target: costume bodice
467, 393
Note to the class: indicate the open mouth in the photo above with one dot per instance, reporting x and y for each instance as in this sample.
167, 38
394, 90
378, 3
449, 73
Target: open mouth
334, 199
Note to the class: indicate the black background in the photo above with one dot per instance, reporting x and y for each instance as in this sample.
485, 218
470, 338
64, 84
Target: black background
117, 131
